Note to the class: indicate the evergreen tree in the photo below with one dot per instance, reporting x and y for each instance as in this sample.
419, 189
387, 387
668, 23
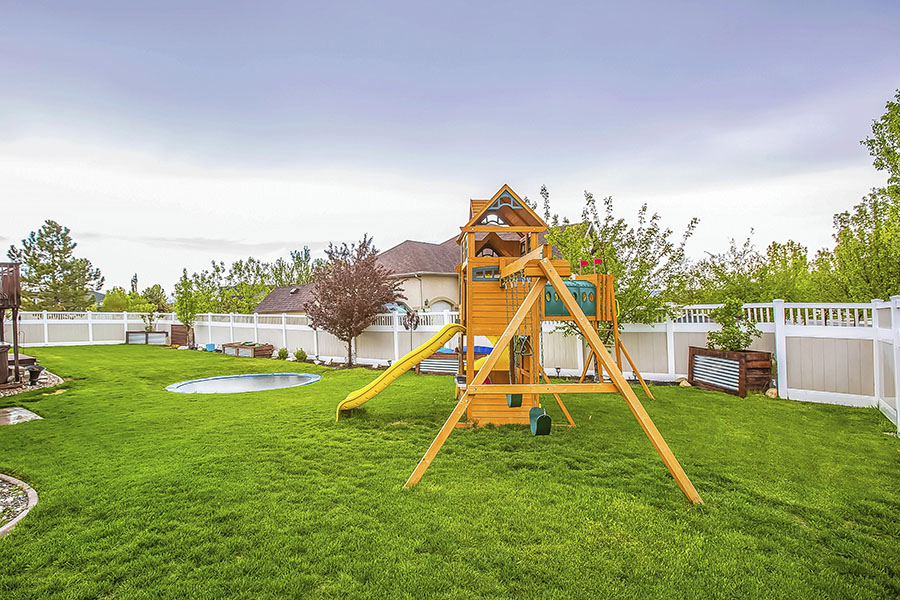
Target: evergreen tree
52, 278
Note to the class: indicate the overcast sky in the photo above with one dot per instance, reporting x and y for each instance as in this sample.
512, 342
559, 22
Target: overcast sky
165, 136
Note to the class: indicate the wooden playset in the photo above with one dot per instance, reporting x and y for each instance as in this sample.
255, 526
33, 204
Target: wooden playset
509, 284
10, 298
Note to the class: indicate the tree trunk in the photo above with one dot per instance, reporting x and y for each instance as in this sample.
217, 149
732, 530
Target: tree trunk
350, 353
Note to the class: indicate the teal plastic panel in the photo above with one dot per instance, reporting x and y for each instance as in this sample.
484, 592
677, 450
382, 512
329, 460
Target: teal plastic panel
584, 293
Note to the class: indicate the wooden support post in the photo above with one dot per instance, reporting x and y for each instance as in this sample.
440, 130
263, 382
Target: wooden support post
520, 263
558, 399
619, 380
587, 365
443, 434
15, 332
634, 370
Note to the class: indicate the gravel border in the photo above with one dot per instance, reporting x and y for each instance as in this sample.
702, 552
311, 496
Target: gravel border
47, 379
31, 499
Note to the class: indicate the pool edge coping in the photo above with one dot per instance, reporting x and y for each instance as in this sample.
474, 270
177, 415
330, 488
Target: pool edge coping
314, 379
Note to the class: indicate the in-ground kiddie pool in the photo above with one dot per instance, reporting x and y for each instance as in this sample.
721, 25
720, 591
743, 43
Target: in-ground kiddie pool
235, 384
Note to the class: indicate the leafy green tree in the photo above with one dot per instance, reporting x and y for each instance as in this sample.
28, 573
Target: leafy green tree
742, 272
647, 260
884, 145
116, 300
156, 296
865, 262
52, 277
187, 304
737, 330
350, 289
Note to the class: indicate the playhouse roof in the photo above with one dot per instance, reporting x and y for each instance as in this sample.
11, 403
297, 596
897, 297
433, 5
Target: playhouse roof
508, 206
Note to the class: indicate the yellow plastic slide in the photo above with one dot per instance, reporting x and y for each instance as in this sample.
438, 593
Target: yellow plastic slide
363, 395
502, 363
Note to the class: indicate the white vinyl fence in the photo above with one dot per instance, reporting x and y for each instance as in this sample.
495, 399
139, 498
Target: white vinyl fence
833, 353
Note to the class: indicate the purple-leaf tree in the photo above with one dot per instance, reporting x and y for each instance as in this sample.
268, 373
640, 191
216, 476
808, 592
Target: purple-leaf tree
349, 289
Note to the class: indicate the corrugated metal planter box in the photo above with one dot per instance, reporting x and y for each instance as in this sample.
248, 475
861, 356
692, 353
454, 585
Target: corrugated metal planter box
248, 350
730, 372
153, 338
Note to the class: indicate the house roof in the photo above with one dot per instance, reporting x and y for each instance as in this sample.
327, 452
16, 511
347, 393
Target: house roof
421, 257
291, 298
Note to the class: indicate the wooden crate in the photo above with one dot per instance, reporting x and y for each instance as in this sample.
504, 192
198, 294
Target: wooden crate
179, 335
730, 372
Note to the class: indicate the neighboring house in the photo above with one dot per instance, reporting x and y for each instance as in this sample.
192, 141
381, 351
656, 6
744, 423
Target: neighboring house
98, 297
428, 271
288, 299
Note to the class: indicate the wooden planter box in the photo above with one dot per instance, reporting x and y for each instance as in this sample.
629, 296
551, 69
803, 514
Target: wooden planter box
248, 350
730, 372
179, 335
153, 338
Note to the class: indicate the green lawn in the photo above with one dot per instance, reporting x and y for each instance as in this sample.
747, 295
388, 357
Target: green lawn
149, 494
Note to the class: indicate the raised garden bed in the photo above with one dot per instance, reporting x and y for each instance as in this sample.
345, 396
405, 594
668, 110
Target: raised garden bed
248, 350
730, 372
152, 338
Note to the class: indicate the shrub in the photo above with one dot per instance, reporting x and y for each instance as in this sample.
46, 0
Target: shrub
300, 355
282, 353
737, 332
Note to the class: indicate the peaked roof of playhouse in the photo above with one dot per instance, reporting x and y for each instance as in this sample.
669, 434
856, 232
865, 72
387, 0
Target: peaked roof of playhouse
286, 299
421, 257
508, 206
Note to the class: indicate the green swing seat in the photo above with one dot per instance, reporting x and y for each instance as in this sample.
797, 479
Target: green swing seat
540, 421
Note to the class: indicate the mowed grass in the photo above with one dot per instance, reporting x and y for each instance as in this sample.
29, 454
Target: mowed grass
150, 494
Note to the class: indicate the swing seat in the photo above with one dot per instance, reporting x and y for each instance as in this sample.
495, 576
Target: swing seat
540, 421
514, 400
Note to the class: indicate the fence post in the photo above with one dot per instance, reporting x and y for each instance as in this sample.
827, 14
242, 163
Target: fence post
46, 329
895, 344
670, 346
283, 329
125, 324
878, 366
90, 321
780, 348
316, 343
255, 328
395, 323
209, 328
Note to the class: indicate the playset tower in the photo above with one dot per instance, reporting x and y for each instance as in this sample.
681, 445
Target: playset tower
509, 284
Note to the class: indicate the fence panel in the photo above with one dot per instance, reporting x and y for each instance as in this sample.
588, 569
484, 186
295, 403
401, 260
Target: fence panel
826, 352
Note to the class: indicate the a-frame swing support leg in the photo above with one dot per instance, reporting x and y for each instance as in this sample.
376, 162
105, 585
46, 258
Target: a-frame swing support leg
536, 292
621, 384
558, 399
634, 370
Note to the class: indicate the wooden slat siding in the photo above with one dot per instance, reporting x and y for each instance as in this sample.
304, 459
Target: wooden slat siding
179, 335
476, 206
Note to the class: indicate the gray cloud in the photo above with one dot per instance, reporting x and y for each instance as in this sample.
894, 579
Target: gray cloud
207, 244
